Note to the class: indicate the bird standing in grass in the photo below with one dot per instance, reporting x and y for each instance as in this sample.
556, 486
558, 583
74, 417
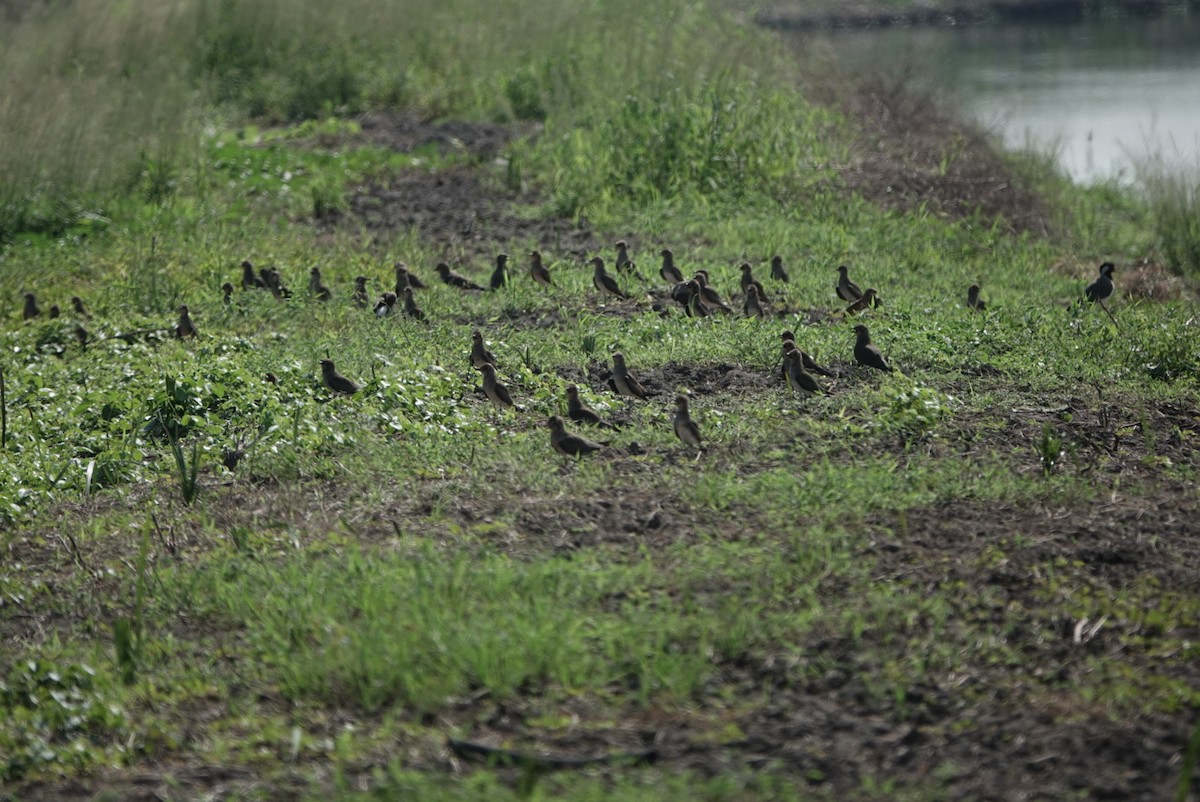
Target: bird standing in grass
538, 271
336, 381
496, 392
480, 355
317, 287
578, 412
696, 307
405, 278
806, 361
708, 294
777, 271
751, 305
54, 311
973, 299
867, 353
669, 271
624, 263
184, 328
869, 300
500, 274
846, 289
448, 276
1103, 286
410, 305
567, 444
249, 280
80, 311
385, 305
799, 379
359, 296
748, 280
624, 381
31, 309
605, 283
685, 428
227, 293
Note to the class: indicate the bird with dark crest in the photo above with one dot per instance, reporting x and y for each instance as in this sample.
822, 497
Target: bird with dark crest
1103, 286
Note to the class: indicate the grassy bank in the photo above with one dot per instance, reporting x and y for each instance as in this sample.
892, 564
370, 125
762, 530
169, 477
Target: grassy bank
968, 575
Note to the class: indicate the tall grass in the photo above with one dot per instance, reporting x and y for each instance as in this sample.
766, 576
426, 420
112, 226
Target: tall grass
1173, 193
105, 103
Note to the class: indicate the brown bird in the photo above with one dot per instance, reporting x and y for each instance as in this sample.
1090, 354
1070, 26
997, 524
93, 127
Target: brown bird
273, 280
681, 293
624, 381
336, 381
480, 355
55, 312
604, 282
227, 293
80, 311
538, 271
578, 412
567, 444
973, 299
869, 300
454, 279
31, 309
696, 306
799, 379
499, 275
624, 263
496, 392
185, 327
686, 428
316, 286
385, 305
805, 360
359, 296
271, 378
81, 334
777, 271
847, 290
748, 280
1103, 286
410, 305
405, 278
866, 353
709, 295
249, 279
751, 306
669, 271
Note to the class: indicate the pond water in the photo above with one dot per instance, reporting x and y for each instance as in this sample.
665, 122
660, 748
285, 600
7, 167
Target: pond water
1100, 93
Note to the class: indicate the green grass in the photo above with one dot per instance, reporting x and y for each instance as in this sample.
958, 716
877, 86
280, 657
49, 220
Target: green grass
382, 571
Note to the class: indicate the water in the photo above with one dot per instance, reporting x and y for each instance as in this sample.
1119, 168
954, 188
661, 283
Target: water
1099, 93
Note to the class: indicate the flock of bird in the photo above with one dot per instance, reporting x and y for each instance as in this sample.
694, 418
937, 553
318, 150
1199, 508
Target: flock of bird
695, 296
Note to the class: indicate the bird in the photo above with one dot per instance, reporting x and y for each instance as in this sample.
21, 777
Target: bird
624, 263
185, 327
869, 300
81, 334
54, 312
273, 281
708, 294
567, 444
538, 271
686, 428
807, 361
973, 299
249, 279
751, 306
227, 293
748, 280
604, 282
359, 296
77, 305
499, 276
454, 279
410, 305
681, 293
624, 381
385, 305
336, 381
867, 353
496, 392
271, 378
578, 412
777, 271
1103, 286
480, 355
847, 290
31, 309
696, 306
405, 278
799, 379
316, 286
669, 271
